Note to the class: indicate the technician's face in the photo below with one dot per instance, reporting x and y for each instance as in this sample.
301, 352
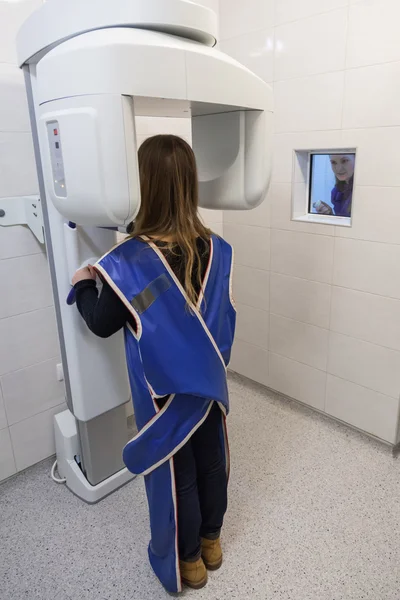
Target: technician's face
343, 166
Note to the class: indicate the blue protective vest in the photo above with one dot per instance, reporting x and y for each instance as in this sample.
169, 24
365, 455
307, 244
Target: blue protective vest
174, 351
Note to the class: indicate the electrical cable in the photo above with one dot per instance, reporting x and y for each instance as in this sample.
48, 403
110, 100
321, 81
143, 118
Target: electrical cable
53, 476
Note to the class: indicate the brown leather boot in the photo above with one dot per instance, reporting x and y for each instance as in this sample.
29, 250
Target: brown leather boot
211, 552
194, 574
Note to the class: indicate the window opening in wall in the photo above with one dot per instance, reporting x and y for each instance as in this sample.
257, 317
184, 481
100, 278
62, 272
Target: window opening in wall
331, 184
323, 186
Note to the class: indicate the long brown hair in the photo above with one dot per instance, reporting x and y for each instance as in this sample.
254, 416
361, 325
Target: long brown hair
170, 194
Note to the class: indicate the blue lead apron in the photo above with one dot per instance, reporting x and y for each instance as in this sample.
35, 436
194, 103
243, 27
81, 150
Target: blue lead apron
174, 351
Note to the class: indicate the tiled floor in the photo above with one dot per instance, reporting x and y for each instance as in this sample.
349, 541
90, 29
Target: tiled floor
314, 515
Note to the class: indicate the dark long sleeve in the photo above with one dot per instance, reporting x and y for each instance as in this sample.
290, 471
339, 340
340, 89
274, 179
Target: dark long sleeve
105, 314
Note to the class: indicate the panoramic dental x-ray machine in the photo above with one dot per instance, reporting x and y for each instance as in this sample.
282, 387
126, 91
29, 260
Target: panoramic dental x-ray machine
91, 67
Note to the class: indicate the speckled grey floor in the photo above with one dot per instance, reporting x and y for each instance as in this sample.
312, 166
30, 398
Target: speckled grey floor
314, 515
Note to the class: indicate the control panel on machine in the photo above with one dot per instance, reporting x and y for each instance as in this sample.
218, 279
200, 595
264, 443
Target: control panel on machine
56, 156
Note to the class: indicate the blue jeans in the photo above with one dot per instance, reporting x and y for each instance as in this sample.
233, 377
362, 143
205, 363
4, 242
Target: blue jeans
201, 485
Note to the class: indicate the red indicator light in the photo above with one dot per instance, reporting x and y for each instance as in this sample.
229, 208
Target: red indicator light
55, 131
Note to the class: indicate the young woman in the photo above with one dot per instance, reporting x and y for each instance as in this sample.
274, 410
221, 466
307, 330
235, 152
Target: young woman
343, 166
169, 286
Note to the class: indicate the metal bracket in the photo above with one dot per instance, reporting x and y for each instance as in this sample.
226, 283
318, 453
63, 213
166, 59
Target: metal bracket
23, 210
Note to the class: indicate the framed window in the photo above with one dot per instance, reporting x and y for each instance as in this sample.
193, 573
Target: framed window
323, 186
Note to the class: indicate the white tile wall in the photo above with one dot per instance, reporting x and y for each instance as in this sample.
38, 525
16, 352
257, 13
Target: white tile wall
3, 417
280, 201
210, 4
367, 410
300, 299
376, 215
251, 287
301, 342
255, 51
212, 218
239, 18
378, 155
252, 325
251, 361
285, 144
336, 72
28, 282
18, 241
7, 461
33, 438
366, 364
27, 324
251, 244
14, 114
12, 15
376, 105
367, 266
18, 170
292, 10
373, 32
217, 228
27, 339
258, 217
318, 103
367, 317
311, 46
302, 255
33, 390
297, 380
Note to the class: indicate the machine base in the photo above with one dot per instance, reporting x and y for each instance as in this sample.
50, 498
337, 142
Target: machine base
67, 448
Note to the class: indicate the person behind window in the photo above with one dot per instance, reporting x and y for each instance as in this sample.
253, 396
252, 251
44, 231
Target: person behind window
342, 194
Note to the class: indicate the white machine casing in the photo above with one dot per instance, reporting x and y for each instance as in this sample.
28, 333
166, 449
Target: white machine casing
91, 67
95, 114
